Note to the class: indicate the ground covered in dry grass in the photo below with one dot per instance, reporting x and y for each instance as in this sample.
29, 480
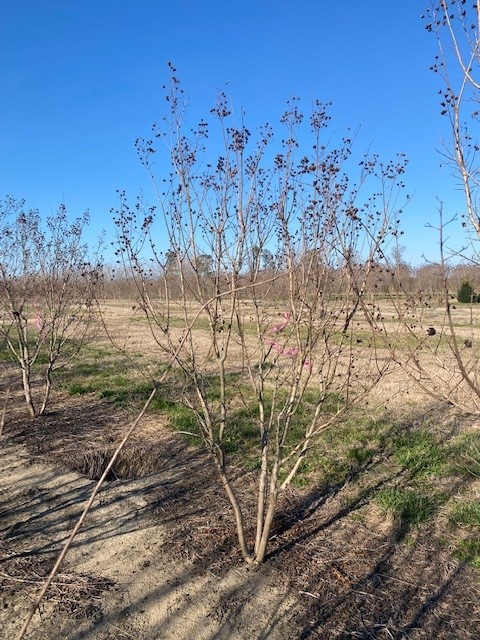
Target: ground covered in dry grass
158, 556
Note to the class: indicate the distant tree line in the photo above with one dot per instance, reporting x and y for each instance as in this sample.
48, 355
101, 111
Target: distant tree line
463, 280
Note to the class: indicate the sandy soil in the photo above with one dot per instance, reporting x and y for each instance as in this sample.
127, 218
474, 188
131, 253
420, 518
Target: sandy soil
120, 579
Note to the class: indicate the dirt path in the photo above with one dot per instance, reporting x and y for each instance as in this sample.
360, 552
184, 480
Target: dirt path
119, 579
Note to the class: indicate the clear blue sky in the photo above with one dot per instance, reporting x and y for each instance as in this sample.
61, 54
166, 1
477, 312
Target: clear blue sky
81, 79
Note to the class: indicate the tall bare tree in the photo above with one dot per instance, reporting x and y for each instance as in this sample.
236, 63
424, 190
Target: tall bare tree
272, 243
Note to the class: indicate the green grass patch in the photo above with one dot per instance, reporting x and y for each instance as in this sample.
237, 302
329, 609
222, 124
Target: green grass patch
78, 389
420, 453
69, 349
465, 455
105, 373
465, 514
343, 451
184, 420
408, 506
468, 551
233, 386
358, 456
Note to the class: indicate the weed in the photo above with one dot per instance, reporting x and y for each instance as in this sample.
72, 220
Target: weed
468, 550
408, 506
359, 457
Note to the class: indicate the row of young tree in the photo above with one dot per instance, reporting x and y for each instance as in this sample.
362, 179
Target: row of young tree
291, 217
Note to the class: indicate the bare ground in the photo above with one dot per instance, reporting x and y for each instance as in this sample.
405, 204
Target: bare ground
155, 560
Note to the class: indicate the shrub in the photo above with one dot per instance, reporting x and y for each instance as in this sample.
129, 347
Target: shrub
466, 292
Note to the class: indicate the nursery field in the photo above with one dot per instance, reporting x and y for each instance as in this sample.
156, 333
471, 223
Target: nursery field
378, 535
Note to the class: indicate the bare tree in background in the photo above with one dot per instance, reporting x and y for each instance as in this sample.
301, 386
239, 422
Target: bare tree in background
436, 333
48, 288
271, 241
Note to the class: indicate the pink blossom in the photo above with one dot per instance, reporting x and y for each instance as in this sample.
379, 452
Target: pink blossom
39, 323
291, 352
39, 320
280, 327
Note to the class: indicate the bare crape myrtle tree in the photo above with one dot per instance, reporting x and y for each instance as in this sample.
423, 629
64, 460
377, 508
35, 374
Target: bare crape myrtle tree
439, 333
48, 290
456, 25
255, 258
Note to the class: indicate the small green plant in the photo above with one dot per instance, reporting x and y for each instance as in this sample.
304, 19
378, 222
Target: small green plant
469, 551
408, 506
358, 457
466, 293
183, 419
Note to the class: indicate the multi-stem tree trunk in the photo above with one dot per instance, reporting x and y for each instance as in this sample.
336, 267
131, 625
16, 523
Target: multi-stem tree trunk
271, 250
27, 390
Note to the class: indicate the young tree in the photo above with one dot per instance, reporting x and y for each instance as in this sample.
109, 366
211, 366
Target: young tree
456, 25
48, 288
268, 328
466, 292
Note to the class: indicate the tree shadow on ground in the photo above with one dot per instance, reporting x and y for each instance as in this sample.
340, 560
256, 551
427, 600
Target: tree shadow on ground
123, 521
362, 575
354, 573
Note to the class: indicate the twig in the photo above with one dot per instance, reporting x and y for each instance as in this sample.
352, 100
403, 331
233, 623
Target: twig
410, 584
369, 595
4, 410
80, 585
